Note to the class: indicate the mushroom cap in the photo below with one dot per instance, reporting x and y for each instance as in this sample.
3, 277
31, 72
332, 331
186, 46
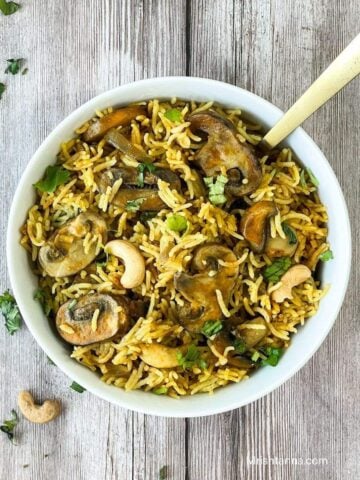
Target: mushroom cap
199, 289
252, 336
254, 223
117, 118
129, 189
64, 253
223, 149
280, 247
75, 325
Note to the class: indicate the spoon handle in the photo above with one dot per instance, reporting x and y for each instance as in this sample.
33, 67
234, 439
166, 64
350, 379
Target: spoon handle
341, 71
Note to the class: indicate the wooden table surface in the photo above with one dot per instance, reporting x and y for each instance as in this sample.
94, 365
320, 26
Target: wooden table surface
76, 49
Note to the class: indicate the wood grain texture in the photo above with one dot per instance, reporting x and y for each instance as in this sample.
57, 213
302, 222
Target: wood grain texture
275, 48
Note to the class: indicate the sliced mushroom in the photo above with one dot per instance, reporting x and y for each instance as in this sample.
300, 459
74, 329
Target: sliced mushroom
130, 190
280, 247
251, 335
200, 288
94, 318
119, 141
117, 118
254, 224
223, 149
65, 253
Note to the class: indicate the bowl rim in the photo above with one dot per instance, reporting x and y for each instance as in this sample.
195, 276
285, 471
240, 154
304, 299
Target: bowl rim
166, 409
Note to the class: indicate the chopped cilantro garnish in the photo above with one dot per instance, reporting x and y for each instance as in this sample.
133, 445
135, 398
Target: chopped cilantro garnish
2, 89
326, 256
78, 388
10, 310
191, 358
160, 391
216, 189
134, 205
40, 296
14, 65
8, 8
239, 346
276, 270
173, 114
273, 356
142, 168
176, 223
211, 327
290, 233
9, 426
55, 175
312, 177
163, 472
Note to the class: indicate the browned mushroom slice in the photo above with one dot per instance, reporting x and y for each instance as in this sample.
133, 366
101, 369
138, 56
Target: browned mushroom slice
221, 341
94, 318
65, 253
129, 189
254, 224
256, 331
119, 141
223, 149
199, 289
280, 247
117, 118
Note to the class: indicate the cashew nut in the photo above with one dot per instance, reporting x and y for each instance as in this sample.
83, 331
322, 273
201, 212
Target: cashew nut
44, 413
133, 261
293, 277
160, 356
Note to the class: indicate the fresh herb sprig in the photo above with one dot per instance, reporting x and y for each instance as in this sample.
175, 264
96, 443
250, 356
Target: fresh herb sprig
326, 256
40, 296
273, 356
163, 472
290, 233
11, 313
2, 89
173, 114
8, 426
134, 205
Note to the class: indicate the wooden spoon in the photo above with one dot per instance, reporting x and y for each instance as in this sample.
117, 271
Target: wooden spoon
340, 72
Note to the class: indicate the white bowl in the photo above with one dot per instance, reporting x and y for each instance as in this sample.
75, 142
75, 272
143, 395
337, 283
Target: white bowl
304, 343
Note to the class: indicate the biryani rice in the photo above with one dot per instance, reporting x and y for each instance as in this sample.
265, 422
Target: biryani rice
174, 146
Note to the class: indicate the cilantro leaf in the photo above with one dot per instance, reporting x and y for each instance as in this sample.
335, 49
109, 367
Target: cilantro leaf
134, 205
216, 189
2, 89
302, 179
163, 472
239, 346
290, 233
78, 388
176, 223
276, 270
191, 358
326, 256
14, 65
142, 168
8, 8
211, 327
55, 175
273, 356
160, 391
312, 177
173, 114
9, 426
40, 296
10, 310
